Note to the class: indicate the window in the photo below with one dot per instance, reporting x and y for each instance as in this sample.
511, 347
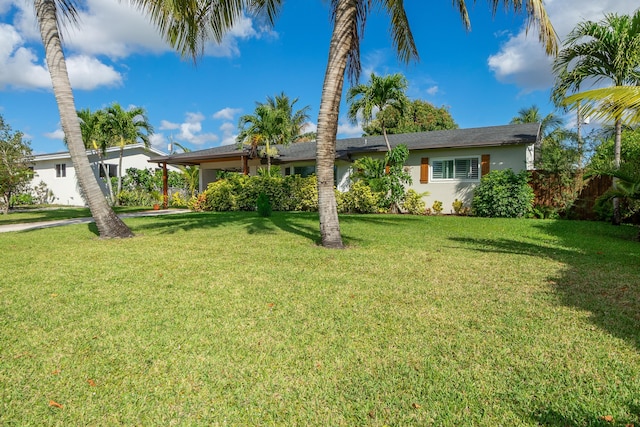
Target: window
113, 170
455, 169
304, 171
61, 170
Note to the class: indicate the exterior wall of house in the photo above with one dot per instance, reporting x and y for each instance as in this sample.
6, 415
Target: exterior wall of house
66, 190
515, 157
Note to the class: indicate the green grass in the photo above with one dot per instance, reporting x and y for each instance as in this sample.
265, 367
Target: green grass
233, 319
56, 213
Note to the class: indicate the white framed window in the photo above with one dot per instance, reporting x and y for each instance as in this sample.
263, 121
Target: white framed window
61, 170
456, 169
113, 170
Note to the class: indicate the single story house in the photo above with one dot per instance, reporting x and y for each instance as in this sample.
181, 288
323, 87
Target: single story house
447, 164
57, 171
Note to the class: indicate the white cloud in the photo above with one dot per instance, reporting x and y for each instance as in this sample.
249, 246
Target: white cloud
226, 113
229, 134
521, 59
433, 90
348, 130
159, 141
166, 125
88, 73
190, 130
105, 27
56, 134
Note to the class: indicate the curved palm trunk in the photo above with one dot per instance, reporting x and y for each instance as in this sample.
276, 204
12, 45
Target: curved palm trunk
108, 223
341, 40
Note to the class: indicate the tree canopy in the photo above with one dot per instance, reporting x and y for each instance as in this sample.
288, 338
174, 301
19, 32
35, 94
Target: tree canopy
15, 161
419, 116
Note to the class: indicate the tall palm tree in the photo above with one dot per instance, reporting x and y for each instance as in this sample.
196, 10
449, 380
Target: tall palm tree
380, 93
107, 222
125, 127
187, 25
607, 51
94, 139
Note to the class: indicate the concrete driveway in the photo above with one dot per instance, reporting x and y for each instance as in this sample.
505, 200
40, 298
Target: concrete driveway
57, 223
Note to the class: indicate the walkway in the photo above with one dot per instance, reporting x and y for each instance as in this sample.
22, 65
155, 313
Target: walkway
47, 224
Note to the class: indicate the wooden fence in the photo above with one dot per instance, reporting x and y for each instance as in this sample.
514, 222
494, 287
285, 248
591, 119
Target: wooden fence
549, 191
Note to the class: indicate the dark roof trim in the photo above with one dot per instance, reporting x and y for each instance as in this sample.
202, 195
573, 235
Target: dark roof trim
493, 136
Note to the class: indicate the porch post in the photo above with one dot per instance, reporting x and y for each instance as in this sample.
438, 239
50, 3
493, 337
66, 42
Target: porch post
165, 186
245, 165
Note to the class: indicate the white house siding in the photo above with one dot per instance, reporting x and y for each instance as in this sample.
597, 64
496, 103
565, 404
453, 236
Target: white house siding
66, 190
515, 157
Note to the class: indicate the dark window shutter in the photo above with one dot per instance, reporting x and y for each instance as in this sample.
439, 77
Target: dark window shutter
424, 170
485, 164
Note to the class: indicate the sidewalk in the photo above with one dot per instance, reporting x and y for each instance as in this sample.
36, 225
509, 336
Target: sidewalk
57, 223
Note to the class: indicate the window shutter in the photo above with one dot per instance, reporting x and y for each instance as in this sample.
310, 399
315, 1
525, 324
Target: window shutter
424, 170
485, 164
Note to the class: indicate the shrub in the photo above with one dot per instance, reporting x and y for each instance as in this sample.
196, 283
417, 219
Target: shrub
503, 194
219, 196
264, 205
413, 203
437, 207
178, 201
198, 203
360, 199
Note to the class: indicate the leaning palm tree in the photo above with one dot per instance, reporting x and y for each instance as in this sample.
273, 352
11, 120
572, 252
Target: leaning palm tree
187, 25
381, 93
107, 222
601, 52
125, 127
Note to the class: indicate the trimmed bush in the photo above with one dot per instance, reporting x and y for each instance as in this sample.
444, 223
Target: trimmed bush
503, 194
359, 199
413, 203
264, 205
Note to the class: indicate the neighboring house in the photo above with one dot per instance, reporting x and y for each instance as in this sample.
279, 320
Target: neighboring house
57, 172
447, 164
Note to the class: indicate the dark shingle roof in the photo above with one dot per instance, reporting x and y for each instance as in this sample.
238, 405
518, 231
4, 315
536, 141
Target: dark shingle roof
492, 136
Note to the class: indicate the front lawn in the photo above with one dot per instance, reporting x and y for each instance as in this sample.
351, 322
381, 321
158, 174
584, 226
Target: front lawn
38, 214
233, 319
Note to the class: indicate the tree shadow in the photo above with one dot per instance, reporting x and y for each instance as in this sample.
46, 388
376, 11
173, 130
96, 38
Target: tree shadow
298, 223
602, 280
554, 418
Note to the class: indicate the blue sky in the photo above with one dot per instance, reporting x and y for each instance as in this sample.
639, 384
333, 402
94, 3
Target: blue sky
484, 76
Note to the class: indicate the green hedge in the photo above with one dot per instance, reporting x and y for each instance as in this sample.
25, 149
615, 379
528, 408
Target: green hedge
238, 192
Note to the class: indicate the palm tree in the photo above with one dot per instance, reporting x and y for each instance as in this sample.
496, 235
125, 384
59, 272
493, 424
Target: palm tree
125, 127
107, 222
273, 122
93, 138
297, 120
187, 25
605, 51
548, 123
381, 93
191, 174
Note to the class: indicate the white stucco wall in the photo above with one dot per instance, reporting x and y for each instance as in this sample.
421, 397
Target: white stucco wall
66, 190
515, 157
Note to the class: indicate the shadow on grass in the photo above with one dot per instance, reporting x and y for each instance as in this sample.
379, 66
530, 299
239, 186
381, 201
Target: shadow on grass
601, 273
299, 223
553, 418
601, 276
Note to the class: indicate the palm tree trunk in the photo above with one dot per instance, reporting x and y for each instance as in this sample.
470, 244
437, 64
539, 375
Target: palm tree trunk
120, 174
341, 39
616, 219
384, 133
108, 223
